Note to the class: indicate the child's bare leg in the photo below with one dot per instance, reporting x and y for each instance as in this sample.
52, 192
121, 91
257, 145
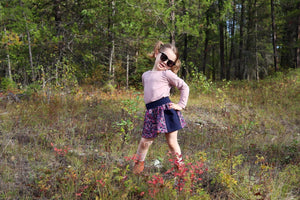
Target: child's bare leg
141, 155
143, 148
173, 145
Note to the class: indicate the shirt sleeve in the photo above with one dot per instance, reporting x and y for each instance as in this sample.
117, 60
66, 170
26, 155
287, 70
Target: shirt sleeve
179, 83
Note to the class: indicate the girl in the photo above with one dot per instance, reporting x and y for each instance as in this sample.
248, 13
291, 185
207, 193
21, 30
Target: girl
162, 116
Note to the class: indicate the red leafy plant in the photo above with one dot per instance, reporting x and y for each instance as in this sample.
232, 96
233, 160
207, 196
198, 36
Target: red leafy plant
186, 174
133, 158
60, 152
101, 182
85, 189
155, 184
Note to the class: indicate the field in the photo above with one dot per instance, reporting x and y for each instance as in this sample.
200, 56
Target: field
241, 142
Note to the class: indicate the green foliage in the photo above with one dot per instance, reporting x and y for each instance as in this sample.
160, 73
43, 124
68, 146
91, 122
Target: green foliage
227, 171
131, 110
82, 33
199, 84
67, 79
76, 146
62, 79
32, 88
221, 94
109, 87
252, 124
126, 126
8, 84
287, 182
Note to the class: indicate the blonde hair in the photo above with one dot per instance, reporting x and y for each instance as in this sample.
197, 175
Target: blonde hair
160, 46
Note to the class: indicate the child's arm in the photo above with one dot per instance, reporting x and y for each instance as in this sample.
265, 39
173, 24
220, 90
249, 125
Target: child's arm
174, 80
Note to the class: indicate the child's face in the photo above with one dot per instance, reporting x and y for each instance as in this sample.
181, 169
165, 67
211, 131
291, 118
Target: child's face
169, 57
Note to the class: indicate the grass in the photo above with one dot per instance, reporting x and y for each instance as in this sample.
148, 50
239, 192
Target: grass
241, 142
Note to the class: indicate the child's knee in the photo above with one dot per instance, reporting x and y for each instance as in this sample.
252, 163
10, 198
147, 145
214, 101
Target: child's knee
172, 142
146, 144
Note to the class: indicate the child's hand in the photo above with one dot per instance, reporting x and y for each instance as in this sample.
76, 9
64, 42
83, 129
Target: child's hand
175, 106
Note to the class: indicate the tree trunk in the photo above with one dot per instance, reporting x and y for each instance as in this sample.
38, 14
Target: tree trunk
226, 53
298, 40
250, 46
184, 57
206, 43
136, 60
274, 36
43, 77
58, 25
213, 63
232, 49
221, 32
241, 43
222, 49
29, 48
127, 71
112, 50
173, 23
185, 49
8, 59
9, 66
255, 39
30, 52
56, 71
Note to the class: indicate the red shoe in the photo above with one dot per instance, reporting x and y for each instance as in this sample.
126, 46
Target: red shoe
138, 167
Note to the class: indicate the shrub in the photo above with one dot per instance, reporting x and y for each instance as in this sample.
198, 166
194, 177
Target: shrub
8, 84
198, 83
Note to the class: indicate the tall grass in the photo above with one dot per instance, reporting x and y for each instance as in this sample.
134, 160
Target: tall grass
241, 142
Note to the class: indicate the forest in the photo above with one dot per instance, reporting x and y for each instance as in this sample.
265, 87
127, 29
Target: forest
72, 107
99, 41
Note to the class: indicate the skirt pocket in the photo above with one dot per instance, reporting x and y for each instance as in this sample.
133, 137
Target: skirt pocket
172, 120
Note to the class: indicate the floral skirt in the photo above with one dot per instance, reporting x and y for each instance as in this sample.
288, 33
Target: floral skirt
159, 118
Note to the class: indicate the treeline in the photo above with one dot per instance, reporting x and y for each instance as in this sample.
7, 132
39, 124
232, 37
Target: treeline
100, 41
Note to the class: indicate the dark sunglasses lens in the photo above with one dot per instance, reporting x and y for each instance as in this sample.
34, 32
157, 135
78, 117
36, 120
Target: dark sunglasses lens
170, 63
163, 57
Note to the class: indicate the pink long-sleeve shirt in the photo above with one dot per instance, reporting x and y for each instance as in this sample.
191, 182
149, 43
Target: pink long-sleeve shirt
157, 84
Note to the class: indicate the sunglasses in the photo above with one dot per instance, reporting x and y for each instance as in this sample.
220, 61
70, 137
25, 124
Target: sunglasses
164, 57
